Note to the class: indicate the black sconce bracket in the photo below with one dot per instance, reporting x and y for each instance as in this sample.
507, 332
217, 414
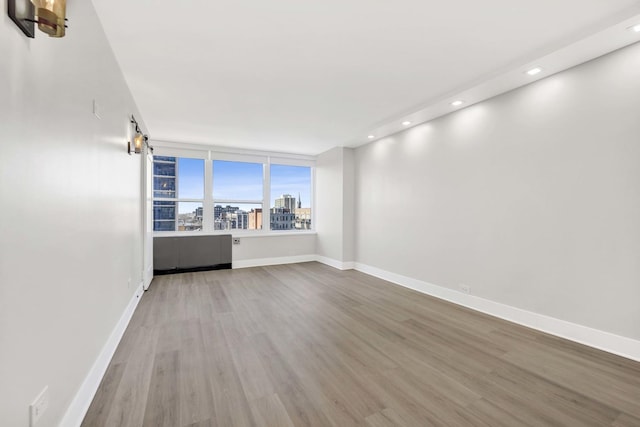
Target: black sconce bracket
23, 13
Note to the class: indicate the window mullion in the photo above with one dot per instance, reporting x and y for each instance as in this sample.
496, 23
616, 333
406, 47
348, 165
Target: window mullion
313, 198
207, 208
266, 196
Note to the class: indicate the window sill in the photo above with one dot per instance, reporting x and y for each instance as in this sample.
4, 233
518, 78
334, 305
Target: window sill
240, 234
276, 234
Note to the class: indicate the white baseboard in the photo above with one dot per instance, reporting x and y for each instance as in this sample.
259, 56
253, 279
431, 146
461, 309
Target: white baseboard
340, 265
259, 262
80, 405
616, 344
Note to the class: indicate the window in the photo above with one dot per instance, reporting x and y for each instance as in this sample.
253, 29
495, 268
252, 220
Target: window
290, 197
232, 192
178, 193
237, 216
237, 195
237, 180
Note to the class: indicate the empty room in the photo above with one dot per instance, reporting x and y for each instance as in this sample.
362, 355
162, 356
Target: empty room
288, 213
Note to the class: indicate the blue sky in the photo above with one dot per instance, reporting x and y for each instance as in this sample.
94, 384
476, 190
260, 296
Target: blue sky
190, 178
291, 180
241, 181
235, 180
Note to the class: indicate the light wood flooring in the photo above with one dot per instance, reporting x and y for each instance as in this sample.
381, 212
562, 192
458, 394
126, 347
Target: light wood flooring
308, 345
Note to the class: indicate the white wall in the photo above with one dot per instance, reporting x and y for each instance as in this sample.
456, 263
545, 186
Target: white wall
70, 222
531, 198
348, 205
273, 249
328, 203
334, 204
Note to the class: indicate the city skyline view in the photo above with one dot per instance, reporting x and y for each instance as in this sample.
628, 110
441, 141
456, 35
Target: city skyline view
240, 181
237, 191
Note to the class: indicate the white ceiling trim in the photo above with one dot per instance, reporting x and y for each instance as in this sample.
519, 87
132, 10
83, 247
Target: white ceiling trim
604, 41
289, 77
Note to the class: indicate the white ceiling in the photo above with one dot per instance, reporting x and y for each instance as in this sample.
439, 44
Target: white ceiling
302, 77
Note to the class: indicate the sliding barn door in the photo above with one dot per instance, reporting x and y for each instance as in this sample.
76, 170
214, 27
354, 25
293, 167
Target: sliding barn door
148, 222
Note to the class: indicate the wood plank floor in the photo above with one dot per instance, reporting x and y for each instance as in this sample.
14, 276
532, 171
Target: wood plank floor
308, 345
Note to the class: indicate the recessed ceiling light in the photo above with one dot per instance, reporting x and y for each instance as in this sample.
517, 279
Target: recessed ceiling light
457, 103
634, 28
534, 71
406, 123
371, 136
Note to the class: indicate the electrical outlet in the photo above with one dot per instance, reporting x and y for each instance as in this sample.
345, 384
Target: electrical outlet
236, 241
39, 405
465, 288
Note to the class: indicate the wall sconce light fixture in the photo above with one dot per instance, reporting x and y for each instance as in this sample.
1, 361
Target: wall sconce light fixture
139, 139
50, 15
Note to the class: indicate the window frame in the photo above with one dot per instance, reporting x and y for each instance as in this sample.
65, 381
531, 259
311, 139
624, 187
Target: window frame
209, 154
226, 157
176, 199
287, 162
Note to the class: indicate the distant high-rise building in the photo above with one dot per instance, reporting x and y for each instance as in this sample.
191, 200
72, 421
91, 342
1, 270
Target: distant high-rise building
233, 218
282, 219
255, 219
286, 201
217, 211
165, 183
303, 218
241, 220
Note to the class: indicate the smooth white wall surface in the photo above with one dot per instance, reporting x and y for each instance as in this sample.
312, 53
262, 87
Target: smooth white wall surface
531, 198
70, 222
348, 205
334, 204
281, 246
328, 203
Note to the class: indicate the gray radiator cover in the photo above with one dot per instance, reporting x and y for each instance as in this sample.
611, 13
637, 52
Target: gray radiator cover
176, 253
